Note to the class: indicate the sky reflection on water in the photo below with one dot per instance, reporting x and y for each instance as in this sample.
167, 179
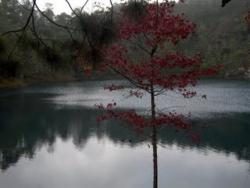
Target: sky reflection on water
101, 163
49, 138
221, 97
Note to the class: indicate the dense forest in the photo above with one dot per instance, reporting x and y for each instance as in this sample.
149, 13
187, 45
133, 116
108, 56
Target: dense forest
55, 47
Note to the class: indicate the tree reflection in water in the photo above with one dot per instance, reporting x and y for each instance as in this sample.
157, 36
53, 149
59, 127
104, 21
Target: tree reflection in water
34, 123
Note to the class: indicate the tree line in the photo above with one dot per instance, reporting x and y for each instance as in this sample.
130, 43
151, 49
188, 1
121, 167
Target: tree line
51, 43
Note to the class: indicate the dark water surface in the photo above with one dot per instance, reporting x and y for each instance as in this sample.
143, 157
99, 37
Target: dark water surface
49, 138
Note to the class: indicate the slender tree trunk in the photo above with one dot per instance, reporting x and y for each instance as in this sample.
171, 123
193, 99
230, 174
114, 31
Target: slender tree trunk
154, 140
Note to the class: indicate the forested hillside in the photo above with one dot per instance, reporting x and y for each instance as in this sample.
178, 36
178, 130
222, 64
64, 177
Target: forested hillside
223, 34
59, 44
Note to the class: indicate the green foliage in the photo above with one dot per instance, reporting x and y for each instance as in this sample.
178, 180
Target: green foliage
30, 57
222, 36
134, 9
8, 67
2, 46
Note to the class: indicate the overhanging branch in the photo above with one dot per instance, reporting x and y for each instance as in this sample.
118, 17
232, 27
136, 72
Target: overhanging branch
56, 24
26, 23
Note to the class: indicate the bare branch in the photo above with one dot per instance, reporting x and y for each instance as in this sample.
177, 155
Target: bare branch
56, 24
74, 12
159, 92
140, 46
25, 25
25, 8
79, 17
143, 87
112, 9
36, 34
23, 29
86, 2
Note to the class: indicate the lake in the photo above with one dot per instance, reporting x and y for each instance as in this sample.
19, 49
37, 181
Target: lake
49, 138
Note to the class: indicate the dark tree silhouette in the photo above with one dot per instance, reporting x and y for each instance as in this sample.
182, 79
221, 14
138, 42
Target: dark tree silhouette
224, 2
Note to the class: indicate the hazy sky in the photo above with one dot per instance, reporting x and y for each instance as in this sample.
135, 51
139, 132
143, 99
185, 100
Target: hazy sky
61, 5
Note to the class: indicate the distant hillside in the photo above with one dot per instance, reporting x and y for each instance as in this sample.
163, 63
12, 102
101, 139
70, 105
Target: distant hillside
49, 52
223, 36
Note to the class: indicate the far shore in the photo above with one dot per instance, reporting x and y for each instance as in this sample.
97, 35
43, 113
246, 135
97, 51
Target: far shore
13, 83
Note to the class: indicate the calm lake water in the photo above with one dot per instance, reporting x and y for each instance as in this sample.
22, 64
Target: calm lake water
49, 138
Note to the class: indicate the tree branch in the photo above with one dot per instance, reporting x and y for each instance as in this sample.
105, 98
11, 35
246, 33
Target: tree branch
25, 25
74, 12
56, 24
86, 2
112, 9
143, 87
224, 2
36, 34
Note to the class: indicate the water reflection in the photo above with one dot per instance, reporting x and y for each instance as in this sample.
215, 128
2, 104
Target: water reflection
221, 97
33, 123
44, 146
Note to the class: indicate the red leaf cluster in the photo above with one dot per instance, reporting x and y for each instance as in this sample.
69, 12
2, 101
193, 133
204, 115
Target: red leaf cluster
157, 72
247, 17
113, 87
174, 70
137, 93
160, 23
140, 122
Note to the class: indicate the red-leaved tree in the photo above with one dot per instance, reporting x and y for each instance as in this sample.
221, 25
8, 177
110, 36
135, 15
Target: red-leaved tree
158, 68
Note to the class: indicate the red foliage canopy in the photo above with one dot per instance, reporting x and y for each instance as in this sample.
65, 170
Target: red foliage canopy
160, 69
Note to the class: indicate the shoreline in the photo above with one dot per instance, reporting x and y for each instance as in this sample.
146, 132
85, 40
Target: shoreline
15, 83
